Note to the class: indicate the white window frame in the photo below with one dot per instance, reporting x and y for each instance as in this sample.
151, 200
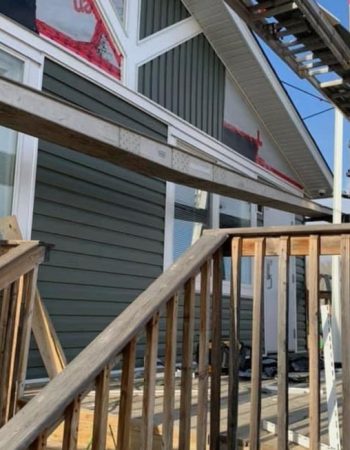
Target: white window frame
27, 146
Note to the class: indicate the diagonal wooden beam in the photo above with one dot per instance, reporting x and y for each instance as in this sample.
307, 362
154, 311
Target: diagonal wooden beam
41, 115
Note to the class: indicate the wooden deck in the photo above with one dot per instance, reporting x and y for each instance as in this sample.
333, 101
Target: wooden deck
298, 415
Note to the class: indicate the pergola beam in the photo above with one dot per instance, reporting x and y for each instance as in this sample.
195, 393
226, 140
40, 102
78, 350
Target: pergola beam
47, 117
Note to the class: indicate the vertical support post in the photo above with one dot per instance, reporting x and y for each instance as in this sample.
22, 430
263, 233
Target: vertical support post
283, 307
187, 358
126, 395
169, 372
337, 218
9, 350
203, 364
345, 308
71, 425
216, 356
99, 433
233, 381
149, 382
257, 339
314, 339
24, 333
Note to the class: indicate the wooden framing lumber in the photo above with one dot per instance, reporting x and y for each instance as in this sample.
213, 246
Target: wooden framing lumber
39, 114
44, 332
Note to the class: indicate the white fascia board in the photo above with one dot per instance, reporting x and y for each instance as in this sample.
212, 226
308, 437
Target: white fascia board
177, 127
281, 94
166, 39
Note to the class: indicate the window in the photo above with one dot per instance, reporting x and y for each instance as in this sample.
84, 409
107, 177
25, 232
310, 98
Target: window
10, 67
191, 217
234, 214
119, 7
78, 26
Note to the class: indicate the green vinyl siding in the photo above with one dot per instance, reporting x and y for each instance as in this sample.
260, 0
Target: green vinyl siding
189, 80
106, 224
159, 14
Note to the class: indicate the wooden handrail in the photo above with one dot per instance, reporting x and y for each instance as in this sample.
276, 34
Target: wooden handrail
49, 406
19, 260
292, 230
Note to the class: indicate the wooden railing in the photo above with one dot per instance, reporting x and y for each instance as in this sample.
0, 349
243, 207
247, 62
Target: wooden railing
19, 262
61, 399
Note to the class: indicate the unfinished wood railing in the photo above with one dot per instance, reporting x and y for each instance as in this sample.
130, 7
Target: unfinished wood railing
60, 401
19, 262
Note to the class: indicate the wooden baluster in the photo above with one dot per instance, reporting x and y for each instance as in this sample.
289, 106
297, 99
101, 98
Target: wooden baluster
187, 358
233, 387
283, 306
40, 442
9, 350
99, 433
169, 372
314, 339
203, 361
4, 317
71, 425
149, 382
216, 356
257, 340
345, 335
126, 396
23, 341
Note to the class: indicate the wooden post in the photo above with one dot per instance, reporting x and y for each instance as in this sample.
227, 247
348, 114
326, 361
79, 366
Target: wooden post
23, 342
314, 340
9, 350
233, 382
187, 359
99, 434
345, 314
203, 362
257, 339
216, 356
71, 425
149, 382
169, 372
283, 306
126, 396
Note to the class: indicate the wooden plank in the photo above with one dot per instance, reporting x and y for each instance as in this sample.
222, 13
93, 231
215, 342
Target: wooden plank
314, 338
216, 355
283, 308
186, 369
234, 356
29, 289
149, 382
4, 318
277, 231
257, 340
10, 351
299, 246
47, 340
345, 336
71, 425
19, 260
126, 396
169, 372
58, 395
203, 360
99, 432
56, 121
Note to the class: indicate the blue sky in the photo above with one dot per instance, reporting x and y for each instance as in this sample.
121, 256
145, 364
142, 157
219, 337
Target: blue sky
322, 126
